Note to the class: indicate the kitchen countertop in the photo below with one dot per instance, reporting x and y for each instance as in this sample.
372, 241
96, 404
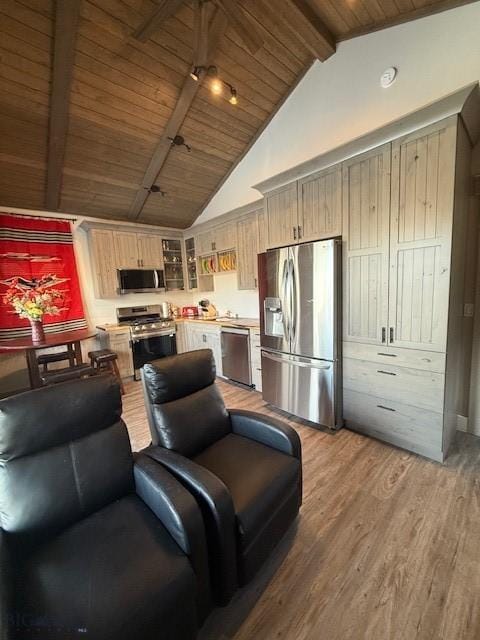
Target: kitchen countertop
249, 323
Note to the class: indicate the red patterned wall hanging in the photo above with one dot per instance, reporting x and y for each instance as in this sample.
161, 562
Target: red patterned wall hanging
29, 249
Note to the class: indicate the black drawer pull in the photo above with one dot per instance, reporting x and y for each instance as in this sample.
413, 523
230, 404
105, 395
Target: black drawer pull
381, 406
387, 355
387, 373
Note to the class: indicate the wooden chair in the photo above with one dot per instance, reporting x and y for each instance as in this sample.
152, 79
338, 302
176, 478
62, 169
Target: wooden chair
106, 360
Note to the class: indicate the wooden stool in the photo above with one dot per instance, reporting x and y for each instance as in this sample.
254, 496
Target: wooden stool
46, 358
106, 360
66, 374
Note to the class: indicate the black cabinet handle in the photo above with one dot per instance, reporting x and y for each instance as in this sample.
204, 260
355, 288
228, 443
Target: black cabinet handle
381, 406
294, 233
387, 373
384, 335
391, 334
387, 355
299, 232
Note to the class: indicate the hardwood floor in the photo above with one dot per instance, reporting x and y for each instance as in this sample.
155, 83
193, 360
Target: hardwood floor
386, 546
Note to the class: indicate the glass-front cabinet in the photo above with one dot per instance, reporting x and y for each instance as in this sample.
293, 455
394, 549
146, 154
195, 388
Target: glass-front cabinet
192, 278
173, 265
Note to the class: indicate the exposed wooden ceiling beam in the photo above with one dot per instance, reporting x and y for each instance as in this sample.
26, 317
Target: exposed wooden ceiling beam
165, 9
242, 25
203, 14
66, 26
408, 16
187, 95
308, 27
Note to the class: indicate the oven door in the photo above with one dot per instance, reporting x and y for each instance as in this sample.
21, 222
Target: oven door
152, 348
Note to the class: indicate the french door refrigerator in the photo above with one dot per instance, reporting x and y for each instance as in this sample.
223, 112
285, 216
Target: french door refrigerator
300, 320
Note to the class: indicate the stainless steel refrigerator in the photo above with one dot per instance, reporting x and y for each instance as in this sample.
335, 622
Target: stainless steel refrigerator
300, 319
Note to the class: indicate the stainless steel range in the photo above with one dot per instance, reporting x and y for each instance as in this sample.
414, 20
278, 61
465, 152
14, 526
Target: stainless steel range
152, 333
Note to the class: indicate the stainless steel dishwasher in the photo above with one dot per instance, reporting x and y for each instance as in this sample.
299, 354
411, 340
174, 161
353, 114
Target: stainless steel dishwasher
236, 355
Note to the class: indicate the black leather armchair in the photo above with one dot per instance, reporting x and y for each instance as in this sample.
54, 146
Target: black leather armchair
93, 543
243, 468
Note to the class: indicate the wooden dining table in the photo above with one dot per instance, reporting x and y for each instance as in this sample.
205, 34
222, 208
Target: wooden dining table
70, 339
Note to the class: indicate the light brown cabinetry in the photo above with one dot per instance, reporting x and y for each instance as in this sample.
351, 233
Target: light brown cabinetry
150, 251
199, 335
423, 173
399, 383
225, 236
255, 358
247, 252
126, 250
262, 231
320, 205
118, 340
282, 216
103, 263
219, 238
137, 250
366, 219
204, 242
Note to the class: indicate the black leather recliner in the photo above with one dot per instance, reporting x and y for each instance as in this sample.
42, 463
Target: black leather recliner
243, 468
93, 544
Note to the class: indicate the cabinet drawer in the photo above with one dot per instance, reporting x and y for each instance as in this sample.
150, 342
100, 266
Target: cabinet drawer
385, 354
414, 387
409, 427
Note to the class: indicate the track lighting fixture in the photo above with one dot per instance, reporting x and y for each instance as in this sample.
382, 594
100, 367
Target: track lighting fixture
233, 96
195, 73
216, 83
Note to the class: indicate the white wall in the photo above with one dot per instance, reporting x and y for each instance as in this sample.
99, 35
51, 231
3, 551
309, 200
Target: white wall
227, 297
341, 99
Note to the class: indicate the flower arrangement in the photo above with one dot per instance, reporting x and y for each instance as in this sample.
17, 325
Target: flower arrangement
35, 298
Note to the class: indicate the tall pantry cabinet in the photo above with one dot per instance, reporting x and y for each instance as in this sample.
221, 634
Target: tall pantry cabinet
404, 265
402, 209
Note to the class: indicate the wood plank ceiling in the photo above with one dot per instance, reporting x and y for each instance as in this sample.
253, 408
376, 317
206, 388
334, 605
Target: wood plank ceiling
118, 86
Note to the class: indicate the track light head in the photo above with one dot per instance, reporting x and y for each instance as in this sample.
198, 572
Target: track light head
195, 73
233, 96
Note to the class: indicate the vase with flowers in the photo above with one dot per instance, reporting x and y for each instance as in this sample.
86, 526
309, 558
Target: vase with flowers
32, 300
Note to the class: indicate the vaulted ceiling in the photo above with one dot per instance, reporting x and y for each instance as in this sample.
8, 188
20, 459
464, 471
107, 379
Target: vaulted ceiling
93, 91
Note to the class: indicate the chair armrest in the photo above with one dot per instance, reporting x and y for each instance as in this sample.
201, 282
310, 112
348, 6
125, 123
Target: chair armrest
266, 430
7, 613
179, 513
218, 513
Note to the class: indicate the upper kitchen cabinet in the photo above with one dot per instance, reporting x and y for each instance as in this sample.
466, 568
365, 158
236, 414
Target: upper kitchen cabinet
113, 247
282, 216
247, 252
126, 250
225, 236
219, 238
262, 231
137, 250
423, 181
150, 250
366, 219
103, 263
204, 242
320, 205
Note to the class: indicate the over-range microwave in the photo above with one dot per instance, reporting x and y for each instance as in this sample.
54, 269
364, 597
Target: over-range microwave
140, 280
